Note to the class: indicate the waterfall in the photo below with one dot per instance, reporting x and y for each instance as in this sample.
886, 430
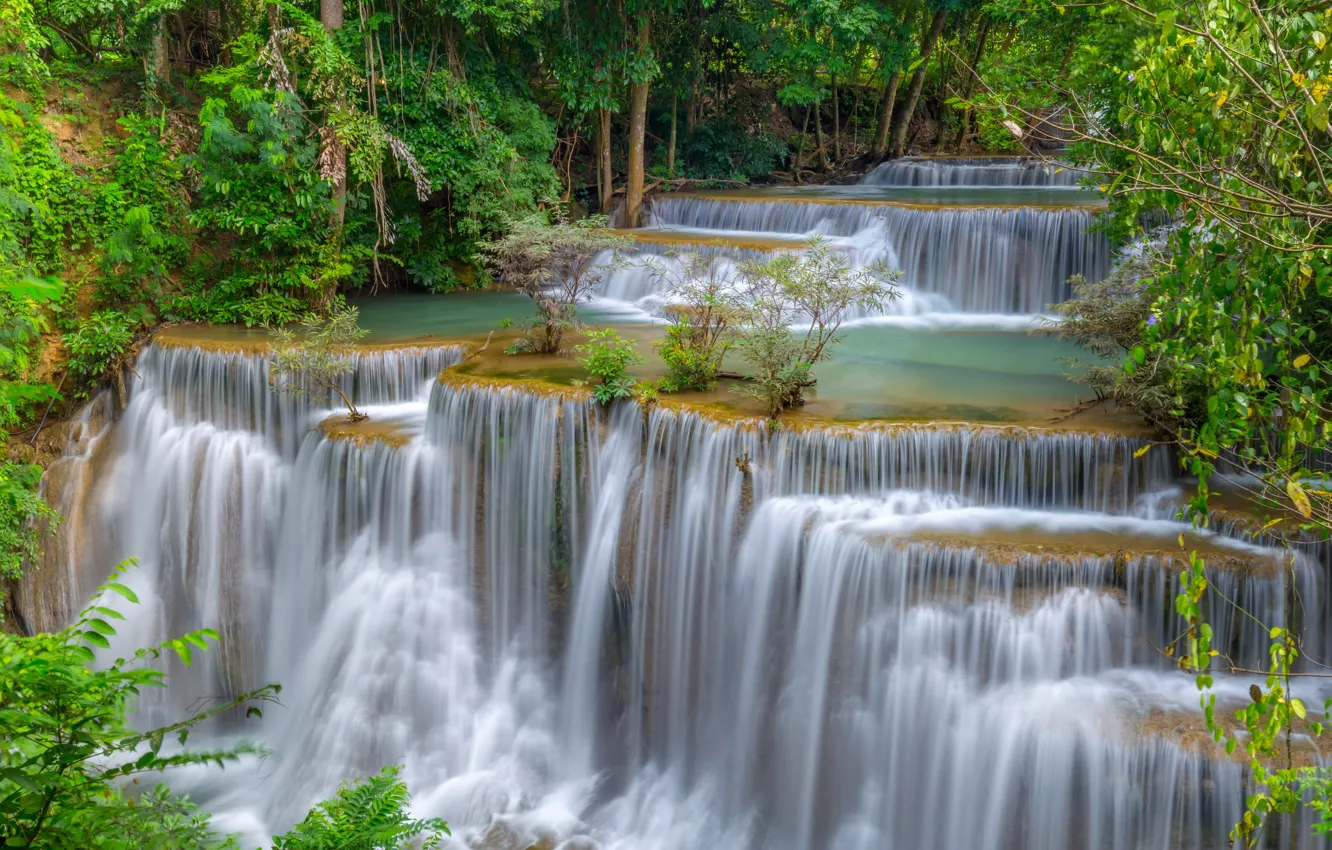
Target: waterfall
633, 628
977, 259
973, 171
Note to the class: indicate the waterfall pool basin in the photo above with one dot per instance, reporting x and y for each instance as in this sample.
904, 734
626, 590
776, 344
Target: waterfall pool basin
879, 371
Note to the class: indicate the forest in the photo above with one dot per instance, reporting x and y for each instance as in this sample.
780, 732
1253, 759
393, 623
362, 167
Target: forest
268, 164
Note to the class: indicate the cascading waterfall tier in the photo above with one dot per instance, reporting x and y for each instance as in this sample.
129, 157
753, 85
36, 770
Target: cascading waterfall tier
649, 628
973, 171
980, 259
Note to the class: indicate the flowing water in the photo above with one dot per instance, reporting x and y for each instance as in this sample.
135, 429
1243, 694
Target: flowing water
974, 171
657, 628
968, 238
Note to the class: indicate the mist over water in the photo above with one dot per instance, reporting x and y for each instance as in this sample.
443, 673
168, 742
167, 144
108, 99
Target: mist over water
629, 628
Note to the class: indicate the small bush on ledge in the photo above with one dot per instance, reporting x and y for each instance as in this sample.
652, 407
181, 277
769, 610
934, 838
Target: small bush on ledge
607, 357
558, 266
790, 315
702, 318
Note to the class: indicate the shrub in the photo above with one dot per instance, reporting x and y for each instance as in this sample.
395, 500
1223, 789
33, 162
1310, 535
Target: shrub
607, 357
701, 318
813, 290
368, 813
558, 266
98, 343
1109, 319
69, 755
21, 506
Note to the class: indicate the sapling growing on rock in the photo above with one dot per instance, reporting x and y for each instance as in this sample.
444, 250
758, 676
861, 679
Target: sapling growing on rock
558, 266
790, 314
317, 355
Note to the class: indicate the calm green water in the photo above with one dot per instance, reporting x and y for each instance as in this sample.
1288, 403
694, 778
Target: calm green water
876, 372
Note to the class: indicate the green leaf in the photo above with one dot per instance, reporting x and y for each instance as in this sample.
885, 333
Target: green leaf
1298, 707
1139, 354
101, 626
96, 640
183, 650
1317, 114
123, 591
20, 779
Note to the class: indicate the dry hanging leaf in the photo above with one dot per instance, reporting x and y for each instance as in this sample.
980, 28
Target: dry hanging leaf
1299, 498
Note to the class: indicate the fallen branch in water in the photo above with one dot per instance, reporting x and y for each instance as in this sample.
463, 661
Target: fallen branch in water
1075, 410
473, 355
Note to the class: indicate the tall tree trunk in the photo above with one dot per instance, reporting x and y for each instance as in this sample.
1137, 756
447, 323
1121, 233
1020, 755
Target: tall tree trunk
330, 14
670, 145
1068, 56
886, 112
638, 101
223, 33
800, 149
945, 69
160, 62
971, 73
1008, 40
837, 124
605, 178
903, 121
820, 147
274, 17
693, 109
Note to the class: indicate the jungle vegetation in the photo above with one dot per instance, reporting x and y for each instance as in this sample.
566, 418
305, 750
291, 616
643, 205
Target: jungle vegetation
253, 162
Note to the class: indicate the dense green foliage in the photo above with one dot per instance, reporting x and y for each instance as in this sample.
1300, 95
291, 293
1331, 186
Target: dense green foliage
69, 759
98, 342
370, 814
22, 510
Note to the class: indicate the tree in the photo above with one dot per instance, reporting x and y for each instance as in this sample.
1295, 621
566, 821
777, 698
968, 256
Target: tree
67, 749
815, 289
318, 355
902, 121
558, 266
644, 68
335, 152
894, 54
